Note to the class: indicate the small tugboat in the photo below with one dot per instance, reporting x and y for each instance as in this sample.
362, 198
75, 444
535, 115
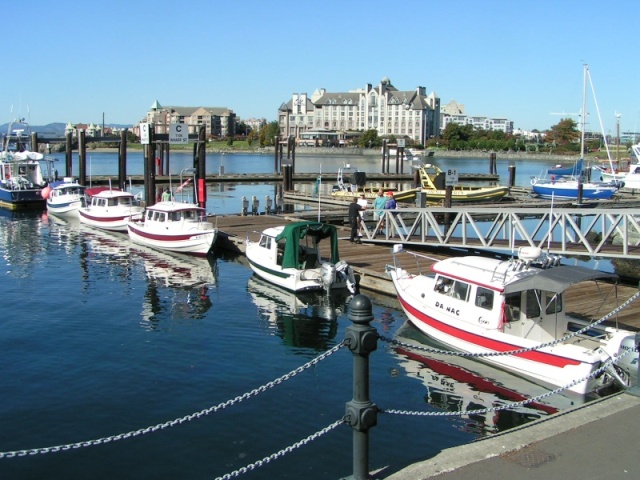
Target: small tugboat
175, 227
110, 209
517, 307
64, 197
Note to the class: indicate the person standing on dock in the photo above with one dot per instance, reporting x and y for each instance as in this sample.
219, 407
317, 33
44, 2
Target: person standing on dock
378, 206
354, 220
390, 204
362, 201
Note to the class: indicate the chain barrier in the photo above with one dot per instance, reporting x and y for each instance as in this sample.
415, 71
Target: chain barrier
513, 352
281, 453
595, 373
177, 421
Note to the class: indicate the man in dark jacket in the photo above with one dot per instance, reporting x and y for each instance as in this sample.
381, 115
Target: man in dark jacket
354, 216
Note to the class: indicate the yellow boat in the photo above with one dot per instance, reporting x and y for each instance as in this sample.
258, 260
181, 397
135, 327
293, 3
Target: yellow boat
432, 183
352, 183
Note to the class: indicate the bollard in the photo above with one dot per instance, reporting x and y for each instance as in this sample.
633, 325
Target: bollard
245, 206
361, 413
255, 205
268, 203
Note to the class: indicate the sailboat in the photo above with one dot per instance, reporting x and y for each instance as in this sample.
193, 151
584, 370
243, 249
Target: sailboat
570, 186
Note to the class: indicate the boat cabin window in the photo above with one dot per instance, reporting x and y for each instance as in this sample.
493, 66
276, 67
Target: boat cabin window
484, 298
512, 304
265, 241
125, 200
553, 303
532, 307
280, 254
452, 288
149, 214
189, 215
113, 202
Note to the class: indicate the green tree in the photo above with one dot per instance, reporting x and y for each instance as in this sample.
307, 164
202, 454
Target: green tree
370, 139
564, 132
268, 132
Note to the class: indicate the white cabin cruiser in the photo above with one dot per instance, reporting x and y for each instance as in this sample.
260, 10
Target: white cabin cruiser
514, 310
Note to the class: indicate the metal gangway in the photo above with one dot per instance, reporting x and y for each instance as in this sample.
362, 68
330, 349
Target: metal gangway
586, 232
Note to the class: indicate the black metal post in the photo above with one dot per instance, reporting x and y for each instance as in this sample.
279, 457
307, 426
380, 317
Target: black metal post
512, 175
82, 158
68, 153
361, 412
122, 160
202, 167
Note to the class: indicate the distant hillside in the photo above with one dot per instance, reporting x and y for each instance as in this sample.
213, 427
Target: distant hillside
54, 129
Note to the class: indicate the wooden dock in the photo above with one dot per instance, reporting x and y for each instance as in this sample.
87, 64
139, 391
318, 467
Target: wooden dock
368, 261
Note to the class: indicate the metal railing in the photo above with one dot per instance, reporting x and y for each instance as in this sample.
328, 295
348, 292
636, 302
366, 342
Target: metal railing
592, 232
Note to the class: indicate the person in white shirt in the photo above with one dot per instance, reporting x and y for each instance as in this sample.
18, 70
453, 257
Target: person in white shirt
363, 203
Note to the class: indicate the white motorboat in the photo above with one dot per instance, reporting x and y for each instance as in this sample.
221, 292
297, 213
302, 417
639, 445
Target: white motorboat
174, 226
110, 209
629, 177
515, 311
64, 197
300, 256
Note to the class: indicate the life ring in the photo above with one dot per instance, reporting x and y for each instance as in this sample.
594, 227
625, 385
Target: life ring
533, 180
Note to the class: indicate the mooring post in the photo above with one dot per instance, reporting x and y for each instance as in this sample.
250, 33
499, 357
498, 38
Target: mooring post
512, 175
82, 158
361, 413
122, 160
68, 152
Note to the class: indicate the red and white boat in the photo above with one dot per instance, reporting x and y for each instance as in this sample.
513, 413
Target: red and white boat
515, 310
110, 209
175, 227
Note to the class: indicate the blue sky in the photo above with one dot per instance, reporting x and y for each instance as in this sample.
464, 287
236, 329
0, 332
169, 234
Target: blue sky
65, 62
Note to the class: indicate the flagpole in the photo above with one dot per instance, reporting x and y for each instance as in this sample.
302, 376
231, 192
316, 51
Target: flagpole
319, 191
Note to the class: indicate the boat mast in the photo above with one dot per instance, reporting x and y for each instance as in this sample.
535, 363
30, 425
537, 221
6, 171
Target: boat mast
584, 109
604, 136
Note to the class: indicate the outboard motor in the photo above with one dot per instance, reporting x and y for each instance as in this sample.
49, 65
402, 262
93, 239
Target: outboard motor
328, 275
346, 273
629, 363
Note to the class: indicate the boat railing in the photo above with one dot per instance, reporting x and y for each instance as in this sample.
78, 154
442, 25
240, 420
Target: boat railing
416, 263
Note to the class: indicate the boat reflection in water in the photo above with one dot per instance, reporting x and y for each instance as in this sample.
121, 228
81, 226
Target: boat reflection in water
462, 384
179, 286
303, 319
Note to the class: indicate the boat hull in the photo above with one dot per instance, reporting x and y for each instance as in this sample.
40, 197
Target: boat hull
19, 199
112, 221
196, 241
64, 208
550, 190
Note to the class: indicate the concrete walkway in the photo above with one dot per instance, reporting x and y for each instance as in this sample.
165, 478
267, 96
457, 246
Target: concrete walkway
600, 440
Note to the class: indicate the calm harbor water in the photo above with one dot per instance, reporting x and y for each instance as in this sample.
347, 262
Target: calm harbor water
100, 337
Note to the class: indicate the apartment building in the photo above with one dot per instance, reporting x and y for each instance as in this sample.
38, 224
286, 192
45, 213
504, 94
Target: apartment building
408, 113
453, 112
219, 121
